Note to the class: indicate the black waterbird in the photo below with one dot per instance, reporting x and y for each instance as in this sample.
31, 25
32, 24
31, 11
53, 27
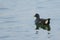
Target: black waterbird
42, 23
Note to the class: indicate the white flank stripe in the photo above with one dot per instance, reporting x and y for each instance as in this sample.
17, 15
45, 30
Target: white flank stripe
46, 21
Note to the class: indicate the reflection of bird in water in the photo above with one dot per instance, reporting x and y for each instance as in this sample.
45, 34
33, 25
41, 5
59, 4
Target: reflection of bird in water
42, 23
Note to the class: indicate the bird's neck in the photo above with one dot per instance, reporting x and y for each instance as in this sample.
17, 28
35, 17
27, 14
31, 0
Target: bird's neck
37, 17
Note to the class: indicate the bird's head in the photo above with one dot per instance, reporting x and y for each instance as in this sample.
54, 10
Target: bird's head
36, 15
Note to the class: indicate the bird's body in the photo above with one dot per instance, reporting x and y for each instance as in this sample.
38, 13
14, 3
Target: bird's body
43, 21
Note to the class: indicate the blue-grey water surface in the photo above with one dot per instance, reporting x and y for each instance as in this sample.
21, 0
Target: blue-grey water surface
17, 19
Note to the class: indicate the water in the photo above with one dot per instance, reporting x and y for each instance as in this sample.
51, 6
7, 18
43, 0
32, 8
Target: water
17, 19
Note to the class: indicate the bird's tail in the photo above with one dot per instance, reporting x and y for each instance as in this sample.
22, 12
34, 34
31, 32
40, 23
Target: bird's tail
48, 20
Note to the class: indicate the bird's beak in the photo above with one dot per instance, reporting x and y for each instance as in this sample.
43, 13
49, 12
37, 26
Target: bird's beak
34, 15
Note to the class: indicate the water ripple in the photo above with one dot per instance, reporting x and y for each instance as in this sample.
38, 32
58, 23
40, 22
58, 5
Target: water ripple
3, 8
4, 36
